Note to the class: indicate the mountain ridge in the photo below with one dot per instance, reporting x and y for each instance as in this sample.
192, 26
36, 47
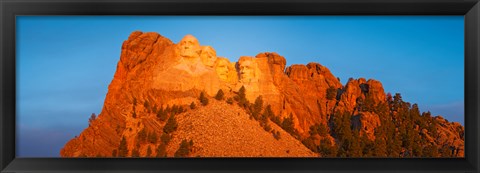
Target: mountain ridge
155, 74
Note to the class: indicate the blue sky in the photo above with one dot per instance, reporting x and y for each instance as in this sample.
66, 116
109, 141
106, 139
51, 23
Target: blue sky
65, 63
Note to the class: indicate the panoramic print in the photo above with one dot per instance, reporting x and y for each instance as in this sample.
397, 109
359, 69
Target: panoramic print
328, 87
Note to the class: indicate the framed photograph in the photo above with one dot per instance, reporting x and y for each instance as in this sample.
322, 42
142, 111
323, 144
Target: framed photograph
251, 86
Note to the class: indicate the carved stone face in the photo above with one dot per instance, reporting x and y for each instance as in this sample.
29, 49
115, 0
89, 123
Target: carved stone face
208, 56
247, 67
222, 68
189, 47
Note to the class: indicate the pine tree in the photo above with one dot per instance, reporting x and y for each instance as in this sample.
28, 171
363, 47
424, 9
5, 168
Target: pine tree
203, 99
135, 152
114, 153
331, 93
134, 113
326, 148
152, 138
257, 107
242, 98
192, 105
380, 144
184, 149
142, 135
171, 125
355, 149
230, 101
154, 109
268, 112
162, 114
162, 150
288, 125
380, 149
149, 151
310, 144
165, 138
219, 95
430, 151
122, 148
146, 105
92, 118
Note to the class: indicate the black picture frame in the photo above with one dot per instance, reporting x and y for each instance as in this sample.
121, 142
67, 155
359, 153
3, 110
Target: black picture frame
9, 9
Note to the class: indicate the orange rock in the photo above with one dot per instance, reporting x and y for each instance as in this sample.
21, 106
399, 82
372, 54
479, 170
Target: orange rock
153, 73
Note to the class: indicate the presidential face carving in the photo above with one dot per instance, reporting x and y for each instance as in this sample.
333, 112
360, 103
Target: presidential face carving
208, 56
189, 48
247, 69
222, 68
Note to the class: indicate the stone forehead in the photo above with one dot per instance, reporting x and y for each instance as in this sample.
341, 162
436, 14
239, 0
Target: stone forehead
222, 59
208, 48
245, 58
189, 37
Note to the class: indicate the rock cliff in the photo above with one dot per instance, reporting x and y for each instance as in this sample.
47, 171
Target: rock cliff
157, 80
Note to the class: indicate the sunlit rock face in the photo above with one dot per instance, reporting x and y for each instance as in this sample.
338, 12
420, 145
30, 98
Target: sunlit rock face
249, 75
248, 70
154, 72
226, 72
208, 56
189, 49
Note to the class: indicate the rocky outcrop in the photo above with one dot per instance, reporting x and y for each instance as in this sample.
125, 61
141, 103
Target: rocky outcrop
154, 73
366, 123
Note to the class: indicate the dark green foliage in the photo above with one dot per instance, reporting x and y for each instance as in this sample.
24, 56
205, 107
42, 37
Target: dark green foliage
174, 110
142, 136
184, 149
122, 148
266, 127
171, 125
354, 149
446, 151
134, 114
219, 95
320, 129
162, 150
276, 120
380, 148
149, 151
165, 138
402, 131
257, 107
92, 118
242, 98
276, 134
230, 100
154, 109
310, 144
331, 93
162, 114
152, 137
180, 110
203, 99
135, 152
114, 153
369, 103
147, 105
268, 113
192, 105
327, 149
134, 101
288, 125
430, 151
